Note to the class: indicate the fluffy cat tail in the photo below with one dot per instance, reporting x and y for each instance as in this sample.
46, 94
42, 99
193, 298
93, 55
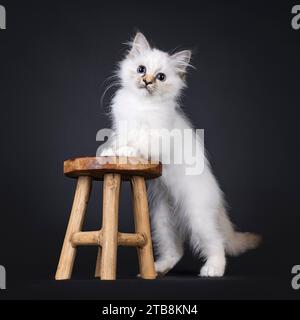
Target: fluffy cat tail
237, 243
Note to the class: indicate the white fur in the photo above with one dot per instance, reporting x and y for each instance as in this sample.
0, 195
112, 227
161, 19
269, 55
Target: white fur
182, 206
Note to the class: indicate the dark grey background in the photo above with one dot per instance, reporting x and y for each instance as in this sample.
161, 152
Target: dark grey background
54, 58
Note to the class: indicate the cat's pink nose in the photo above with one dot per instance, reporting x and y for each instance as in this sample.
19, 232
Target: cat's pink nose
148, 79
146, 82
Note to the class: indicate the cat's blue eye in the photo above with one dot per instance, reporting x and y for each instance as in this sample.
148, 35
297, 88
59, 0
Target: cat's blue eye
141, 69
161, 76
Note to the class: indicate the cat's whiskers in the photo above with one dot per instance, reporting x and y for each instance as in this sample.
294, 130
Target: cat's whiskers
114, 83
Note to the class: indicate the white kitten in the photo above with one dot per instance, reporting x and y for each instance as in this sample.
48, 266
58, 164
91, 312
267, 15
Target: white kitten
182, 206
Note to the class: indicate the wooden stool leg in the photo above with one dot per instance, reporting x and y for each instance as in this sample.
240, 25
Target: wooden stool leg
98, 263
111, 192
142, 225
68, 252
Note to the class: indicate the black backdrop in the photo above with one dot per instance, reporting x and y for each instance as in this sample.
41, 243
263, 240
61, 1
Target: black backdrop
54, 58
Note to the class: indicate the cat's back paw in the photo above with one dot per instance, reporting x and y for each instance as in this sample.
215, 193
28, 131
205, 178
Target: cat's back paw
212, 270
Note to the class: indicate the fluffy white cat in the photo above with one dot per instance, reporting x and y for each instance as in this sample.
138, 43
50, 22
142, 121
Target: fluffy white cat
183, 207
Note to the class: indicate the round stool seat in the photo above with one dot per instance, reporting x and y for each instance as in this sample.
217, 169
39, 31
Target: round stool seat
96, 167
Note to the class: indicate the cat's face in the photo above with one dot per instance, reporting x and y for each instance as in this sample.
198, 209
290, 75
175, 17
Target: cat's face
151, 72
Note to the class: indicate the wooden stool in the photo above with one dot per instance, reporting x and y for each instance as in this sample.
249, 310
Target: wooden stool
111, 170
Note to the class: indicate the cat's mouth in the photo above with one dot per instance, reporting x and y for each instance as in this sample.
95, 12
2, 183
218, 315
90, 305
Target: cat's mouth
147, 88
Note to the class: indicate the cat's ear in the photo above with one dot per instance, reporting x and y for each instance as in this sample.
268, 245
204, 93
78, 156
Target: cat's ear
139, 44
182, 60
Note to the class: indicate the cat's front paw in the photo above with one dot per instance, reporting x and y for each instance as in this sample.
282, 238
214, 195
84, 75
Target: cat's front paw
108, 152
162, 267
126, 151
